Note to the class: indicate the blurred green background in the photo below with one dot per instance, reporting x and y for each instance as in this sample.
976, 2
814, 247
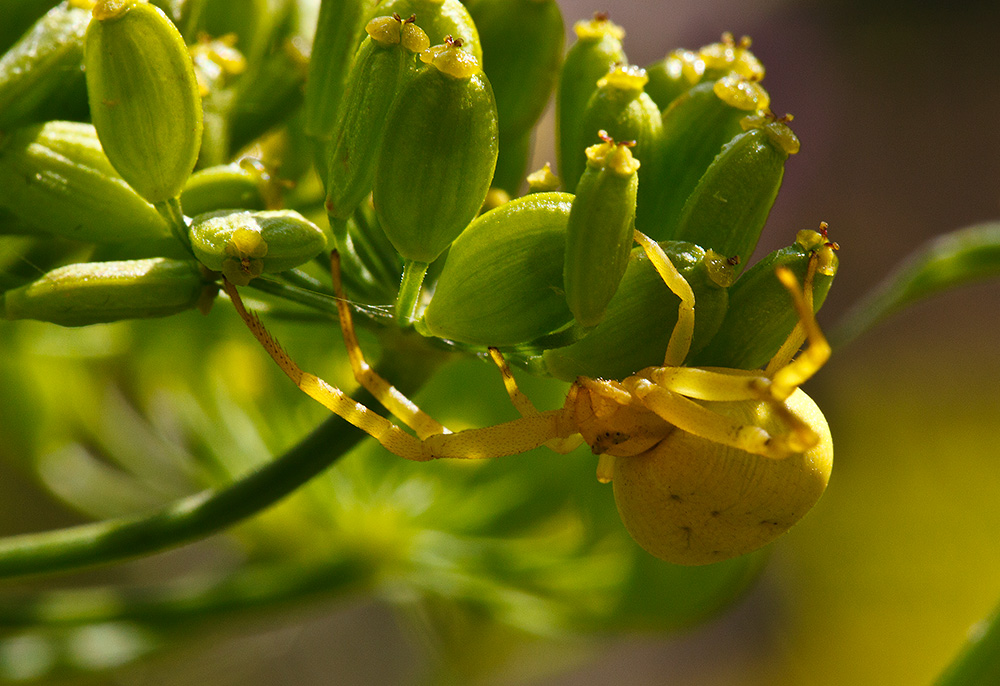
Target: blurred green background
897, 107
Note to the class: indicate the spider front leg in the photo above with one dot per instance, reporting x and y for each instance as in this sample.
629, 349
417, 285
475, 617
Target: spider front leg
510, 438
672, 392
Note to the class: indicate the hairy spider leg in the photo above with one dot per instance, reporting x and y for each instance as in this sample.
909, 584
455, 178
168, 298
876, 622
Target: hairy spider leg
387, 394
526, 408
510, 438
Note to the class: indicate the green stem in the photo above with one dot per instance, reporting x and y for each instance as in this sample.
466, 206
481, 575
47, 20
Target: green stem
187, 519
171, 211
211, 510
193, 599
317, 301
349, 259
408, 299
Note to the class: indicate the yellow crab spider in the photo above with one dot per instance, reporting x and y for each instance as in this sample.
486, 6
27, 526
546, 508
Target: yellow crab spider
707, 463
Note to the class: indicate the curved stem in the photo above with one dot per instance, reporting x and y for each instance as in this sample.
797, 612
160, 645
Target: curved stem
187, 519
192, 599
204, 513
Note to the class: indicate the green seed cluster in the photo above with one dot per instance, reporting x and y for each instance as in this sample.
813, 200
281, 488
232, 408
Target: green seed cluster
418, 122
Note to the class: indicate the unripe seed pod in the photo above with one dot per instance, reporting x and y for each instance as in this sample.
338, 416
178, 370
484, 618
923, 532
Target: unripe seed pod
522, 47
642, 314
621, 108
384, 64
761, 315
228, 186
600, 229
55, 178
729, 56
432, 179
693, 501
695, 127
673, 76
244, 245
597, 49
144, 98
48, 59
727, 209
95, 292
339, 29
502, 282
439, 19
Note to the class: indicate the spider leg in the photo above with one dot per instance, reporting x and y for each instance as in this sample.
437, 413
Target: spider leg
391, 398
510, 438
788, 377
680, 338
694, 418
527, 409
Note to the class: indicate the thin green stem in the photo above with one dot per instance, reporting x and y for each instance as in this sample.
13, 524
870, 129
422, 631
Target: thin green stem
184, 520
171, 211
408, 299
369, 285
192, 599
297, 277
209, 511
317, 301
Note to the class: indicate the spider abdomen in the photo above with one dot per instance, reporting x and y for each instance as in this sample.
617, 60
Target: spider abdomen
692, 501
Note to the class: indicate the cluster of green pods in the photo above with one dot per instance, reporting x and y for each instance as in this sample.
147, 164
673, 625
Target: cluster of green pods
419, 118
420, 112
695, 164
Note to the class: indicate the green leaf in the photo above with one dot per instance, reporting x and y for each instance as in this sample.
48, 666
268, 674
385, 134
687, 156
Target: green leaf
954, 259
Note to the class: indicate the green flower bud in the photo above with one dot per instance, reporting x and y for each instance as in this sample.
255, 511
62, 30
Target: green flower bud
727, 56
522, 46
761, 315
673, 76
244, 245
600, 230
144, 98
727, 209
439, 19
502, 282
642, 315
46, 61
266, 97
597, 49
384, 64
96, 292
228, 186
339, 29
56, 179
621, 108
434, 171
695, 127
